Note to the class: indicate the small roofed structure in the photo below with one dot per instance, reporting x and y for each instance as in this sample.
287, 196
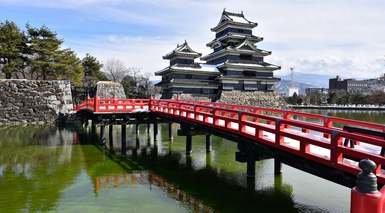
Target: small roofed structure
185, 76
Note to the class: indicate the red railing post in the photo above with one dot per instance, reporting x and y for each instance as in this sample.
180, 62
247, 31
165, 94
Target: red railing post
365, 197
328, 124
278, 128
335, 156
286, 116
149, 103
96, 104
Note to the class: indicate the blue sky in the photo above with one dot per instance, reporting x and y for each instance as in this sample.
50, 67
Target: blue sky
345, 37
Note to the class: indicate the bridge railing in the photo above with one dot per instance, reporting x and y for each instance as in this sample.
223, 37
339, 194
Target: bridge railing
311, 136
113, 105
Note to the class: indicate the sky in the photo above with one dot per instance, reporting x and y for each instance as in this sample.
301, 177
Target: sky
327, 37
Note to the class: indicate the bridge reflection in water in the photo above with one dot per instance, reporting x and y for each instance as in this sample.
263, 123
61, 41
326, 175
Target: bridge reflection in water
151, 179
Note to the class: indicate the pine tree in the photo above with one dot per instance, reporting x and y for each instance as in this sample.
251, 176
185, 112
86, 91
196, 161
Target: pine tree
11, 48
44, 48
69, 66
92, 68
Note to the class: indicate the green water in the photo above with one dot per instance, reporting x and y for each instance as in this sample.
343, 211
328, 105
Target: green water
46, 169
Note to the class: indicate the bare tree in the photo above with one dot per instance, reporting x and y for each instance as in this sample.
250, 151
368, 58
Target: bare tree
116, 70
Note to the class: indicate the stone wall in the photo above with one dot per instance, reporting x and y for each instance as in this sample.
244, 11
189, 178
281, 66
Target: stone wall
262, 99
190, 97
109, 89
29, 101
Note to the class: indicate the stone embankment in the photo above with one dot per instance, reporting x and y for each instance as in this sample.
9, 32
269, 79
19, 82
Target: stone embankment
262, 99
190, 97
34, 102
109, 89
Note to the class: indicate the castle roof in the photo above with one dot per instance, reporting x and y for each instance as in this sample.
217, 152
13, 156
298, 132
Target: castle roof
234, 36
196, 68
235, 19
183, 50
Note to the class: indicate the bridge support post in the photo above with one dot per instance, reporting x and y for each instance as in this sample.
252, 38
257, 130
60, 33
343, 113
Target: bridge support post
137, 133
250, 168
155, 130
188, 144
250, 175
124, 142
277, 166
101, 135
137, 145
170, 132
93, 128
365, 197
208, 143
137, 128
110, 137
148, 134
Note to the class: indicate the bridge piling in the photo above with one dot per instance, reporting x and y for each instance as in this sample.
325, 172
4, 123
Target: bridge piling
124, 142
93, 128
277, 166
101, 135
110, 137
250, 168
137, 135
137, 144
155, 130
170, 132
188, 144
250, 174
208, 143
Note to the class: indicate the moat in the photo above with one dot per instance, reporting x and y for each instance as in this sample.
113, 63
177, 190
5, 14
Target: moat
51, 169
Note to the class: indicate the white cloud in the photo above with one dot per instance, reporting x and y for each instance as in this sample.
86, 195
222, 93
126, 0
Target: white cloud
343, 37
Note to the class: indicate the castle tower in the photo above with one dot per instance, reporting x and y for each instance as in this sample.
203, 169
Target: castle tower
240, 62
184, 76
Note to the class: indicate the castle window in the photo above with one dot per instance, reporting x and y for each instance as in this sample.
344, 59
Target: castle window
245, 57
249, 73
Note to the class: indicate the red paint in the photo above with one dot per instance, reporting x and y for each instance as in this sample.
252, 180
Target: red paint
367, 202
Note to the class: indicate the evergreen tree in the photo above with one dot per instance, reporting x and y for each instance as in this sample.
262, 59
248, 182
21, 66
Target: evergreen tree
130, 86
48, 61
69, 66
11, 48
44, 48
92, 68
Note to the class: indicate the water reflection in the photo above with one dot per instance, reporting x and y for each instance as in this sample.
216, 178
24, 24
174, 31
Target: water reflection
31, 177
371, 116
50, 169
152, 180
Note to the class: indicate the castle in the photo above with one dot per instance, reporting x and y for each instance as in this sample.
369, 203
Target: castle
235, 63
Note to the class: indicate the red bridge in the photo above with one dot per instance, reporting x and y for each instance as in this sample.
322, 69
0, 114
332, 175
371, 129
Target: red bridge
336, 143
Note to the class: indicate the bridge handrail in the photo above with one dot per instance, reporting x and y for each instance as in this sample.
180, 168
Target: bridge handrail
235, 120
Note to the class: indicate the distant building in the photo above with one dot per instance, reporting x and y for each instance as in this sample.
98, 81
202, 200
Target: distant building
316, 90
235, 63
360, 86
291, 90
